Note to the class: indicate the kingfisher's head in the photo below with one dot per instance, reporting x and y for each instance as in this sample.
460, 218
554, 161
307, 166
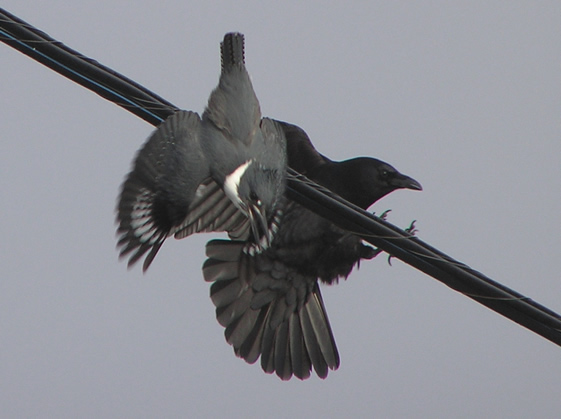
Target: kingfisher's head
256, 192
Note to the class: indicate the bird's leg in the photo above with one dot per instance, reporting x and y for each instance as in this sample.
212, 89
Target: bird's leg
411, 230
369, 252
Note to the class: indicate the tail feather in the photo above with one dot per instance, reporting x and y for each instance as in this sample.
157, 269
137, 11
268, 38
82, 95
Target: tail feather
251, 348
321, 329
232, 312
237, 332
268, 343
223, 250
232, 51
283, 363
270, 311
223, 293
301, 364
312, 345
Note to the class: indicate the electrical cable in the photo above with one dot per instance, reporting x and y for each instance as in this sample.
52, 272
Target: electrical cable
410, 249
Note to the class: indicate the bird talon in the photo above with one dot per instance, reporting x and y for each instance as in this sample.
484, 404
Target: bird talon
390, 260
384, 215
412, 229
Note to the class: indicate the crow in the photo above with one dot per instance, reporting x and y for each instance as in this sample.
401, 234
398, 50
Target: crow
225, 171
270, 303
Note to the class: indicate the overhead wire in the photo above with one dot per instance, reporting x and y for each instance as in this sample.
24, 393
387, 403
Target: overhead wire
410, 249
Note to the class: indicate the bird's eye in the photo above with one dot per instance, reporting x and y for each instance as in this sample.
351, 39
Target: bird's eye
254, 198
385, 174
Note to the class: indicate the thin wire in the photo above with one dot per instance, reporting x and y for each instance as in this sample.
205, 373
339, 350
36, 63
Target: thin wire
74, 65
398, 243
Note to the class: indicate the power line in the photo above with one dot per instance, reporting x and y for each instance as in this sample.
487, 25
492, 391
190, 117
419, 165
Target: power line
400, 244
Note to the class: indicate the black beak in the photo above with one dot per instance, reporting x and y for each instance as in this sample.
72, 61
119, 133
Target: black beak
406, 182
259, 227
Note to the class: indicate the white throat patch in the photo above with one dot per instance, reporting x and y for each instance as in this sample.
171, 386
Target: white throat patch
232, 183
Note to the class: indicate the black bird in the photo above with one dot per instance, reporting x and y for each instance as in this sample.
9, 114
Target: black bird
270, 303
224, 172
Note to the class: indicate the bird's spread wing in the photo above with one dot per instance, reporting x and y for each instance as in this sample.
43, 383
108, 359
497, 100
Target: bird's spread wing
270, 311
212, 210
157, 193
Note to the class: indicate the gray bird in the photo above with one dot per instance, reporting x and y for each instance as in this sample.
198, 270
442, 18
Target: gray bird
225, 171
270, 303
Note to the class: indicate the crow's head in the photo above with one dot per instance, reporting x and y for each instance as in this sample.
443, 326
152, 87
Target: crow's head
375, 179
363, 180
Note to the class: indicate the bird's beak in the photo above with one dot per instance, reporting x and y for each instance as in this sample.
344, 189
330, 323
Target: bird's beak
259, 226
406, 182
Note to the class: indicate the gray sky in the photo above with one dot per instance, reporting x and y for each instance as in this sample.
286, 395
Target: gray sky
463, 96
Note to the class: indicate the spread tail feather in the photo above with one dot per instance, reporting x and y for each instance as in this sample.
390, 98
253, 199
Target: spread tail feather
270, 311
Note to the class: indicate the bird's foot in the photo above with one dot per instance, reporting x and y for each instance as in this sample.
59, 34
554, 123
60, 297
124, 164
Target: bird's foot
384, 215
369, 252
412, 229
